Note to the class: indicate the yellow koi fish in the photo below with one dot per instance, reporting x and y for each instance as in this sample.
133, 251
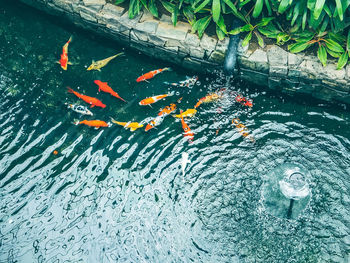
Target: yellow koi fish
242, 129
188, 113
133, 126
97, 65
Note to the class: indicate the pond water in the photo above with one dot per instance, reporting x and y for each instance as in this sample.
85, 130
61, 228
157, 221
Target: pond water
111, 195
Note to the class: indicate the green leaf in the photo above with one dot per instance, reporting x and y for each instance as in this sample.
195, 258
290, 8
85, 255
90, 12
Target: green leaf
247, 28
258, 8
333, 54
234, 10
268, 7
174, 15
247, 39
188, 13
339, 9
283, 6
303, 24
118, 2
334, 46
201, 25
221, 35
298, 47
265, 21
134, 8
235, 31
318, 8
348, 42
168, 6
260, 39
216, 9
221, 24
201, 6
343, 60
153, 8
322, 55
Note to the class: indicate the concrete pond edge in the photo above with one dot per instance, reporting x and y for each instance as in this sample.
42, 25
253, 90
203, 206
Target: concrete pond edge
271, 66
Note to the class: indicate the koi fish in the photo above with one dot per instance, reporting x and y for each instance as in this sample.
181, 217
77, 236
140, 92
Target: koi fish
151, 100
159, 119
242, 129
93, 123
133, 126
97, 65
188, 113
151, 74
167, 110
244, 101
155, 122
79, 109
209, 98
187, 131
104, 87
64, 56
91, 100
189, 82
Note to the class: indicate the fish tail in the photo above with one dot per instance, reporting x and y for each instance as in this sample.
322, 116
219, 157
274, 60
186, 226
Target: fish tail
114, 121
119, 54
70, 90
70, 39
167, 69
171, 93
75, 122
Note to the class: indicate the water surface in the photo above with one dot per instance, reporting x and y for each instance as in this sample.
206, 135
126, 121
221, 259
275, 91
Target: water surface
111, 195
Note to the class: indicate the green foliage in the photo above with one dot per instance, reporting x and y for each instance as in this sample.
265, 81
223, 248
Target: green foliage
320, 24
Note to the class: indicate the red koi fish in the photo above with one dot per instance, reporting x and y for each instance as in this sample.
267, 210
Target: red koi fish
187, 131
244, 101
167, 110
104, 87
209, 98
91, 100
151, 74
151, 100
93, 123
64, 56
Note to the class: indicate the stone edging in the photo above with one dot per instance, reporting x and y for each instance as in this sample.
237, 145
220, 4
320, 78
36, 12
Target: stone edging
271, 66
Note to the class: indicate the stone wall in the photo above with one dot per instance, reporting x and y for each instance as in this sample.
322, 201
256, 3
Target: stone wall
271, 66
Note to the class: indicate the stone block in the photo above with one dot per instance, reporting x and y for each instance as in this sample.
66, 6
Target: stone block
149, 26
278, 71
259, 61
192, 63
243, 51
277, 56
139, 35
96, 5
222, 45
157, 41
294, 60
110, 14
118, 28
63, 4
166, 30
197, 52
129, 23
330, 72
208, 43
274, 83
87, 13
217, 57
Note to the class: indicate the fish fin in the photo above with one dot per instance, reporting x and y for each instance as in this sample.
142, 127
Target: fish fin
167, 69
70, 39
146, 81
70, 90
92, 105
133, 129
58, 62
113, 120
99, 89
150, 105
171, 93
98, 69
75, 122
96, 128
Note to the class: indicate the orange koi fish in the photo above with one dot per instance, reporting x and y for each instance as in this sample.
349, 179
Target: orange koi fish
91, 100
167, 110
64, 56
151, 74
244, 101
242, 129
93, 123
187, 131
154, 99
104, 87
209, 98
159, 119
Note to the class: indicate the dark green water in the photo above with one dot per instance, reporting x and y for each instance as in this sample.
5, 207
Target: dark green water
115, 196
